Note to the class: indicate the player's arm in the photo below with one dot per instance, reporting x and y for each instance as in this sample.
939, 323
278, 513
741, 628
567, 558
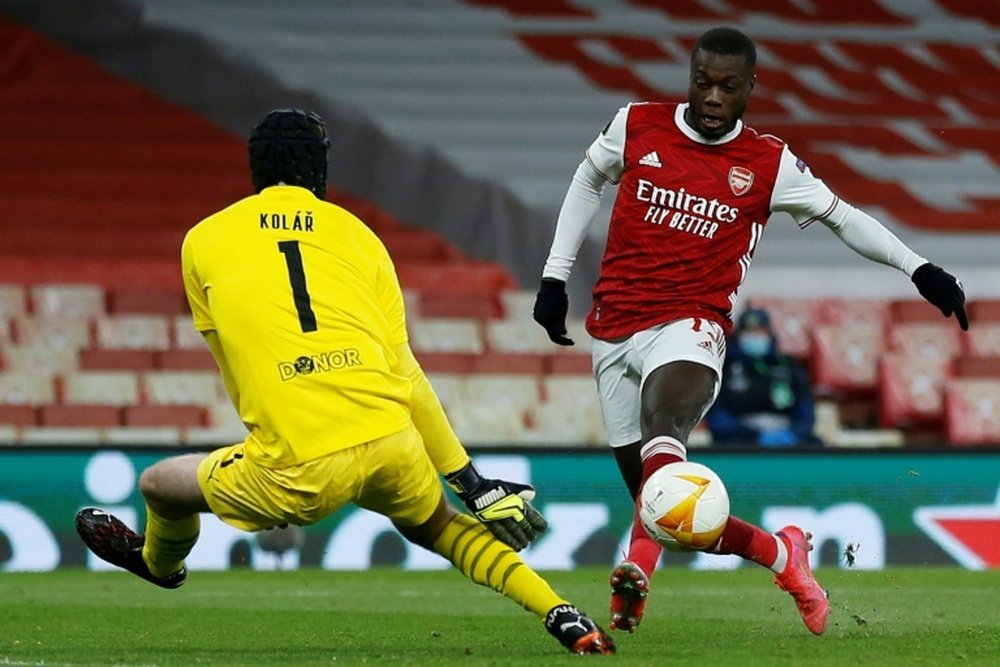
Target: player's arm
808, 199
197, 297
502, 506
604, 163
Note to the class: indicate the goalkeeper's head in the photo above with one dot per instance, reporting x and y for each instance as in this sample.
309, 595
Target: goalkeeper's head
291, 147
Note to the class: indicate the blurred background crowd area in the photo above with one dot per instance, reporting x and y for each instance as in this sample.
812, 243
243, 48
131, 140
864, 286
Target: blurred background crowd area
456, 126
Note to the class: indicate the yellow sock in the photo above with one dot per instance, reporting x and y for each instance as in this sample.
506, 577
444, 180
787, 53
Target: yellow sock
489, 562
168, 542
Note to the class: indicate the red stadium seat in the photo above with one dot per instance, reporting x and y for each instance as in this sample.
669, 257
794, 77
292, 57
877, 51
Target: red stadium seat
793, 321
185, 360
18, 415
508, 362
941, 340
105, 387
445, 362
872, 314
133, 332
845, 360
80, 415
148, 301
914, 310
983, 311
911, 390
13, 302
164, 415
116, 360
983, 339
972, 411
26, 388
976, 367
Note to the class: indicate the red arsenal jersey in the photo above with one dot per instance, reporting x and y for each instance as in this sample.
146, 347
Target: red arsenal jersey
685, 223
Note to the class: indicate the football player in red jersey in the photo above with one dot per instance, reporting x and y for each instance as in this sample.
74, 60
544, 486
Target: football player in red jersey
695, 189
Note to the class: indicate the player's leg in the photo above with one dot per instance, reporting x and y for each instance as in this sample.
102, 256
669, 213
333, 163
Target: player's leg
173, 500
405, 487
786, 553
617, 372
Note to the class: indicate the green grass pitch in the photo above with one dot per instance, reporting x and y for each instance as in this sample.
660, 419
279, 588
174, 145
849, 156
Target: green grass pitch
918, 616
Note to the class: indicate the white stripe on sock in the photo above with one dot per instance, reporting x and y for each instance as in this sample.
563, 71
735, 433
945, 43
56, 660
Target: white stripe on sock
782, 560
664, 444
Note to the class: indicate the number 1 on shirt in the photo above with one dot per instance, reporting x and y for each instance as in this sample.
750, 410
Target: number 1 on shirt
297, 277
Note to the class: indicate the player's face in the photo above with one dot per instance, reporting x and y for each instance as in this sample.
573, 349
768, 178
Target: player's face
718, 92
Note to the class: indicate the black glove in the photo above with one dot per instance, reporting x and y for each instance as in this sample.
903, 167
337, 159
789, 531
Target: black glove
501, 506
551, 307
943, 290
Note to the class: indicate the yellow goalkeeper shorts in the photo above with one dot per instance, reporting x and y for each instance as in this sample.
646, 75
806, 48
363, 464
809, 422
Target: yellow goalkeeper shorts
392, 476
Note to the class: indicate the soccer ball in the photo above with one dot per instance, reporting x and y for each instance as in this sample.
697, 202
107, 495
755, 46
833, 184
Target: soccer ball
684, 506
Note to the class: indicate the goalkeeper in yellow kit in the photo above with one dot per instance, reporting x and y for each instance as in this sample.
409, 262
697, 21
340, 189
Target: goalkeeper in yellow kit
301, 307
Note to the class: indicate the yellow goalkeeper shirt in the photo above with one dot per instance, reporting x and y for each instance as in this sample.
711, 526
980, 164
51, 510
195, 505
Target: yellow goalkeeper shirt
308, 310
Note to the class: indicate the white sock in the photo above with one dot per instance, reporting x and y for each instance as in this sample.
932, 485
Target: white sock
782, 560
664, 444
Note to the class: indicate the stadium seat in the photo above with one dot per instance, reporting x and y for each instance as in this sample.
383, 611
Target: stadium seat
182, 387
116, 360
449, 387
18, 415
39, 359
133, 332
508, 362
845, 360
517, 335
976, 367
941, 340
12, 302
871, 314
26, 388
569, 364
793, 321
982, 311
116, 388
61, 435
122, 300
185, 336
131, 436
445, 362
84, 414
445, 335
914, 310
67, 301
53, 334
497, 389
517, 304
486, 424
569, 412
983, 339
164, 415
911, 390
185, 360
972, 411
469, 306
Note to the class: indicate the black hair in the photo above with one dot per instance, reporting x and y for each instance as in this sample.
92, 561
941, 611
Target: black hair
727, 42
289, 146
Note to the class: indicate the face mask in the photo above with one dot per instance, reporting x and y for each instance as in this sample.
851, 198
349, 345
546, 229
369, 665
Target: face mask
755, 344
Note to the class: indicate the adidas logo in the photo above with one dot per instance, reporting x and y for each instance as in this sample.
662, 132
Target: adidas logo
651, 160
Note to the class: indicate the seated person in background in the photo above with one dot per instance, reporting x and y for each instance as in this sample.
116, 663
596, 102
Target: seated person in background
765, 396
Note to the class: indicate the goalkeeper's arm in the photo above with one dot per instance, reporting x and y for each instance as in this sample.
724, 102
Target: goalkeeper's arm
502, 506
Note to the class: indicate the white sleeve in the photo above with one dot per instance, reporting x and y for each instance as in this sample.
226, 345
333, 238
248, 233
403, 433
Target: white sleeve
607, 153
868, 237
583, 199
605, 162
808, 199
799, 193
